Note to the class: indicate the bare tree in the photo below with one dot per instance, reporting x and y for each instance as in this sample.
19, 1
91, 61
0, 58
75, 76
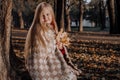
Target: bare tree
81, 16
5, 33
60, 14
68, 5
111, 11
102, 7
67, 16
117, 11
19, 7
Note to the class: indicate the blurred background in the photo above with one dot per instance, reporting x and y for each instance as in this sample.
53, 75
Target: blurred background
93, 27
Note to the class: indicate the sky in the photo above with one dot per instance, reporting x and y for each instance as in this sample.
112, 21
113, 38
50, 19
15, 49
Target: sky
88, 0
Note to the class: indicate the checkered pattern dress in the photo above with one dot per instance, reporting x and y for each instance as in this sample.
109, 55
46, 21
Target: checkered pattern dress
48, 63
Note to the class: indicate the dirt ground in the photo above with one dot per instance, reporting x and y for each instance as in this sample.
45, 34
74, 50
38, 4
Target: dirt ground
97, 54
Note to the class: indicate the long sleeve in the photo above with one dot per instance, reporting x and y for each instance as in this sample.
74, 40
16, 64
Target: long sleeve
67, 58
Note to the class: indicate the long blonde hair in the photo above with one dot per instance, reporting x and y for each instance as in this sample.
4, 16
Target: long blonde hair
37, 29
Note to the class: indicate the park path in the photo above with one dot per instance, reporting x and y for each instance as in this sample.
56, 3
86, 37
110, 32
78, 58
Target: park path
19, 36
101, 35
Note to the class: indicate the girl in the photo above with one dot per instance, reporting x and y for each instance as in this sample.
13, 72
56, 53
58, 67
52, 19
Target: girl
44, 58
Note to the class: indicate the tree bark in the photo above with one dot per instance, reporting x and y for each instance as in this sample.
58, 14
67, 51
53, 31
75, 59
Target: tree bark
21, 19
60, 14
81, 16
111, 11
19, 8
67, 15
117, 3
102, 14
5, 33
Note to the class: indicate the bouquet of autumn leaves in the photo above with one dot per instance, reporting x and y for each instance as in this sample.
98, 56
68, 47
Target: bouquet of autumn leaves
63, 38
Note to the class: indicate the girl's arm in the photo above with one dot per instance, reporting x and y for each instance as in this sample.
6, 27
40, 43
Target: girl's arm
68, 60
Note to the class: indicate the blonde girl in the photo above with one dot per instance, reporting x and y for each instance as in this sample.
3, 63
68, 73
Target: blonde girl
44, 59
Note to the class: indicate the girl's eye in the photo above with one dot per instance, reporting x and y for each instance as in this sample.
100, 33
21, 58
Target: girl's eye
47, 14
43, 16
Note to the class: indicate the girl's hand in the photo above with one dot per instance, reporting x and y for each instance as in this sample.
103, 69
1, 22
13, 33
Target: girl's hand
59, 45
58, 39
79, 72
62, 39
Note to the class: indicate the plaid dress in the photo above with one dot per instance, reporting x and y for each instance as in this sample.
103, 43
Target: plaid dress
48, 63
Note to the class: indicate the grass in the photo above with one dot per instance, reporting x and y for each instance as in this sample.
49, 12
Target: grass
86, 28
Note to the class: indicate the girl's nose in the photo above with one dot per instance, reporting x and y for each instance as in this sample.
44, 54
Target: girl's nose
45, 18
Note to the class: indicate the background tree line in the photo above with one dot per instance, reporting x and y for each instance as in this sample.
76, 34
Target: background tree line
22, 11
66, 10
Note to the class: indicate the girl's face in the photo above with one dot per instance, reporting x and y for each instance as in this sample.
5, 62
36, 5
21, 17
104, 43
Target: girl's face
46, 16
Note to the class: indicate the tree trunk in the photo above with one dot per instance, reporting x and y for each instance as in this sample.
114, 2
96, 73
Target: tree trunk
117, 3
68, 21
81, 16
111, 11
21, 20
5, 33
60, 14
102, 14
19, 8
67, 15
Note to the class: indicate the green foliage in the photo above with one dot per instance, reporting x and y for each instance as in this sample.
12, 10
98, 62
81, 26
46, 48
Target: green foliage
74, 12
91, 14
